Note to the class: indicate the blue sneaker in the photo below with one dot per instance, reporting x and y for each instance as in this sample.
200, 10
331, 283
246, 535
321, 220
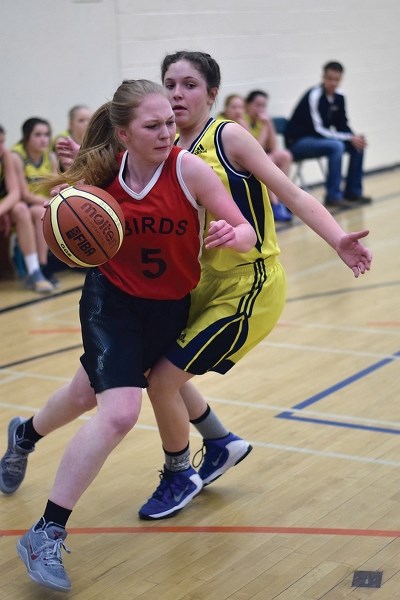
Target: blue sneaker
217, 456
281, 213
40, 551
176, 490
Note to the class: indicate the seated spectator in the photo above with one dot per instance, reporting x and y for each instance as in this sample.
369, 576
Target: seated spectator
15, 213
78, 119
319, 127
261, 126
234, 109
34, 161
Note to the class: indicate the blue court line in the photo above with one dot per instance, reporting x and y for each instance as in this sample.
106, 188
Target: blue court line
331, 390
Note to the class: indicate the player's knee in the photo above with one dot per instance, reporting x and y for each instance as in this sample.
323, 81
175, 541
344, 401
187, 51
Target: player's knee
124, 417
20, 212
84, 402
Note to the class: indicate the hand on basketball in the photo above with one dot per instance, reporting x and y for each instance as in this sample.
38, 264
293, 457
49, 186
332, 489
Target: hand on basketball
221, 234
56, 190
354, 254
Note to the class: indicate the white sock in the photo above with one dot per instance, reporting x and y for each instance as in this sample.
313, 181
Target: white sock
32, 262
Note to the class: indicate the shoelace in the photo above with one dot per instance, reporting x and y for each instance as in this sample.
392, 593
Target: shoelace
52, 552
163, 483
14, 463
202, 453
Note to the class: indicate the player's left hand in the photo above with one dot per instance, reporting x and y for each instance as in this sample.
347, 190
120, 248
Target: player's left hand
354, 254
220, 234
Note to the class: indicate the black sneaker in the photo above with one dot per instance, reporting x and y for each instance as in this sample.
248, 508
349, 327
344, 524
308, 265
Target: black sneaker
337, 203
50, 276
14, 462
353, 198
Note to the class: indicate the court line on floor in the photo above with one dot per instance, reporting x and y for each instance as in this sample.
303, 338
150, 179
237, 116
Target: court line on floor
337, 327
290, 415
267, 445
53, 296
328, 350
339, 291
273, 530
16, 375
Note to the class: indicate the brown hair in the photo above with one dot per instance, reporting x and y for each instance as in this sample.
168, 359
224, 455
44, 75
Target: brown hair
96, 162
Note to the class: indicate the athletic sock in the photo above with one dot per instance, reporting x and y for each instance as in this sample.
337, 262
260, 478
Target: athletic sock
55, 514
31, 262
209, 426
177, 461
27, 434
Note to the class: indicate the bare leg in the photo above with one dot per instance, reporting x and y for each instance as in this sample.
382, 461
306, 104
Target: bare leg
194, 401
66, 404
118, 410
21, 216
169, 409
37, 213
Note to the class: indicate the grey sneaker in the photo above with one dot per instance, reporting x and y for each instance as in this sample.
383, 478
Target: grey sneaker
14, 462
40, 550
38, 283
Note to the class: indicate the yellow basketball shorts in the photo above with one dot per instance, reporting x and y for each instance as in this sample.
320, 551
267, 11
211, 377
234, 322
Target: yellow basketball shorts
231, 312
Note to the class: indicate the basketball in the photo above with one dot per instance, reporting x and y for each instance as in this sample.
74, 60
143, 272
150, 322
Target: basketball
84, 226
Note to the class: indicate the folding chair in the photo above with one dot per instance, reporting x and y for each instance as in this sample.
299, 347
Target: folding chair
280, 124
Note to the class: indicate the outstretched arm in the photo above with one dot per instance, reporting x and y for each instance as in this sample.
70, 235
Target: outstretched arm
246, 155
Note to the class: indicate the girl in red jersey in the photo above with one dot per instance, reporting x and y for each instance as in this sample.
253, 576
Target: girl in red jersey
132, 308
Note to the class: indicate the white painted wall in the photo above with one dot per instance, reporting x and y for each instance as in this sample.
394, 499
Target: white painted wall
57, 53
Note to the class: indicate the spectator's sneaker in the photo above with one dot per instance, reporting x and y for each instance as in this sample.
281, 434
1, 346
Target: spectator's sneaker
337, 203
38, 283
354, 199
13, 464
40, 550
217, 456
176, 490
55, 282
281, 213
49, 274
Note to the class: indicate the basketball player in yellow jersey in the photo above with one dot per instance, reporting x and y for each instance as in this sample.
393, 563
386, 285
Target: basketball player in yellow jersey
240, 296
35, 162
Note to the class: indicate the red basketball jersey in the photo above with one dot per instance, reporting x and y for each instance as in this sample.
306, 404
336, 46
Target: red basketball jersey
159, 257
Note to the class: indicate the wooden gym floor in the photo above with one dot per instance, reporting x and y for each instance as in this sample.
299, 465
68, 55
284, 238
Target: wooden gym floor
316, 500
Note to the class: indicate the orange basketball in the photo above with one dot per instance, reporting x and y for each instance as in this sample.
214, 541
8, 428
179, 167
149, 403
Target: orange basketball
84, 226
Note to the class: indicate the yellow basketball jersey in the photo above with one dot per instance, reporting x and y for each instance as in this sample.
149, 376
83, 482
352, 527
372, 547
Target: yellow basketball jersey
254, 127
34, 173
248, 192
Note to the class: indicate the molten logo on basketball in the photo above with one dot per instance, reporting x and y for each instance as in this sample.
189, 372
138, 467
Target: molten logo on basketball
102, 223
